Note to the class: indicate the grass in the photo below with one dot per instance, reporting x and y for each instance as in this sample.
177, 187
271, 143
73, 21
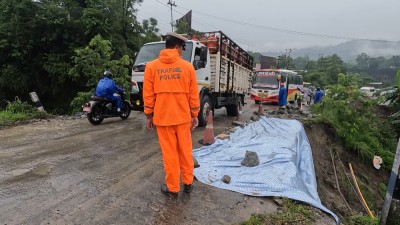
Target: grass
363, 220
17, 111
291, 213
357, 121
256, 219
361, 129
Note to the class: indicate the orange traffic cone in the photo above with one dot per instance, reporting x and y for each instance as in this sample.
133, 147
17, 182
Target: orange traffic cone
208, 138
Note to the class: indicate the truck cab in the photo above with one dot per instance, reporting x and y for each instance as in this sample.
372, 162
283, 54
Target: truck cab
223, 72
195, 53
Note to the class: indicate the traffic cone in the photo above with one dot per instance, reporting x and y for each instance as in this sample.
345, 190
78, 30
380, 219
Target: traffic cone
208, 138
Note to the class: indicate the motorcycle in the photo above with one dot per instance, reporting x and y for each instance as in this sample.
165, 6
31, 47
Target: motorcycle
99, 108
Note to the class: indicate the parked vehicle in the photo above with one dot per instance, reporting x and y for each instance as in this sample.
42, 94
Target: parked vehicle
99, 108
368, 91
266, 83
223, 71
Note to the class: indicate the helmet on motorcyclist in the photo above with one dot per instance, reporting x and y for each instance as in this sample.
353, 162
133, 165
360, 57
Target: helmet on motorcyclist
108, 74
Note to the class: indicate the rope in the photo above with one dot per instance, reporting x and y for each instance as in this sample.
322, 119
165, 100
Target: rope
337, 183
359, 193
348, 179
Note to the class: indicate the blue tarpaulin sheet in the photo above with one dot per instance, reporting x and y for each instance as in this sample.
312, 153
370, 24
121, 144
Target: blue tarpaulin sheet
285, 169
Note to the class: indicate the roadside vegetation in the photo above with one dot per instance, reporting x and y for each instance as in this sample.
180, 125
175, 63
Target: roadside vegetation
365, 127
291, 212
356, 120
61, 48
19, 111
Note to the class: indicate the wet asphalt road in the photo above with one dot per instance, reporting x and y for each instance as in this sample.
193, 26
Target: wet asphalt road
67, 171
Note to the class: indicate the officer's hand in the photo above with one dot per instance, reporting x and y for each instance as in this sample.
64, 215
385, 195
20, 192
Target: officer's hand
149, 123
195, 122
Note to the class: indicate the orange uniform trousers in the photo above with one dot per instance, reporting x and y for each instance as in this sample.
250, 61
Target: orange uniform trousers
176, 147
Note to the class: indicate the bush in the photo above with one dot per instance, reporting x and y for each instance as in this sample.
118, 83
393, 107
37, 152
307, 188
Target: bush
363, 220
354, 119
19, 111
18, 106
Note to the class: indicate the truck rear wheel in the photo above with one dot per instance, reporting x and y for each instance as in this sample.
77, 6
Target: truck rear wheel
233, 110
205, 105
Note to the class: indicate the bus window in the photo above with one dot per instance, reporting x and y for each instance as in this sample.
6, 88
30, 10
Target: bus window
291, 80
298, 80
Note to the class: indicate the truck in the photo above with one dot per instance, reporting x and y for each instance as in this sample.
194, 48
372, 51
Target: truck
224, 72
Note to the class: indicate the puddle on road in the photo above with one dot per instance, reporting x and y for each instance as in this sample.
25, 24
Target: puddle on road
41, 170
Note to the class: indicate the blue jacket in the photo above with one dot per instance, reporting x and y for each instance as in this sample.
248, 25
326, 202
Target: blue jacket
106, 88
282, 96
318, 96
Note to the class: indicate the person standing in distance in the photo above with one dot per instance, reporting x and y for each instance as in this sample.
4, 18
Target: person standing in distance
282, 95
171, 102
318, 96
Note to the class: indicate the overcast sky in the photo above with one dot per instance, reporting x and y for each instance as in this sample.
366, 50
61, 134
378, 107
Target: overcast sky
360, 19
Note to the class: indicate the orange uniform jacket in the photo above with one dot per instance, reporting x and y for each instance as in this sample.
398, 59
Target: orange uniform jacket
170, 89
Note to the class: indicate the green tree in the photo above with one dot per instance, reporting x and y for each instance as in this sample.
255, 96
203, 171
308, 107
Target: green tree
38, 39
325, 70
285, 62
395, 61
398, 78
182, 27
354, 119
333, 65
300, 63
362, 61
150, 31
90, 63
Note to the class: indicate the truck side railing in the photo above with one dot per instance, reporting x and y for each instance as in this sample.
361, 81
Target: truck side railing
217, 41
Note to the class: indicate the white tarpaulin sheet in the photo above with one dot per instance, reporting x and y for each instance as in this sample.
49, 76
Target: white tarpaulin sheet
286, 167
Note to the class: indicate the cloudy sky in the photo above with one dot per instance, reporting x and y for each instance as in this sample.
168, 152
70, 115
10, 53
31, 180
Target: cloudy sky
263, 25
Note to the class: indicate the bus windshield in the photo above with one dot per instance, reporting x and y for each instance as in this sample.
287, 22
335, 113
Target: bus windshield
262, 80
150, 52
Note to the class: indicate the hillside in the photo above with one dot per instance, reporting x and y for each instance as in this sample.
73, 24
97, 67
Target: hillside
348, 51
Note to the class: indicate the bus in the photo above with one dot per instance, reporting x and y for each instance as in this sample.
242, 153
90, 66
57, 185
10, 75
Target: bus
266, 83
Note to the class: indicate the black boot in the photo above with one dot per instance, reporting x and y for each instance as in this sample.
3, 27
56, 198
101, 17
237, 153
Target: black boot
164, 190
188, 188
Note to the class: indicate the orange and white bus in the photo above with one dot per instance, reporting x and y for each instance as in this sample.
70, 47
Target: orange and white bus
266, 83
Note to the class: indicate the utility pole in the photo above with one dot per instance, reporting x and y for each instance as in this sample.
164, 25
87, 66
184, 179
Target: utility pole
290, 50
172, 20
284, 62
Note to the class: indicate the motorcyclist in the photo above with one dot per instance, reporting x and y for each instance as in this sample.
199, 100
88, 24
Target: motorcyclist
106, 89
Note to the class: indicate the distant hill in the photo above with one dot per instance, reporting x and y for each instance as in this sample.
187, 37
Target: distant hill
348, 51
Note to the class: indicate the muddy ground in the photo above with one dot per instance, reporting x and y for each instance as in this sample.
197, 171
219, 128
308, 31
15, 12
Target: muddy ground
67, 171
